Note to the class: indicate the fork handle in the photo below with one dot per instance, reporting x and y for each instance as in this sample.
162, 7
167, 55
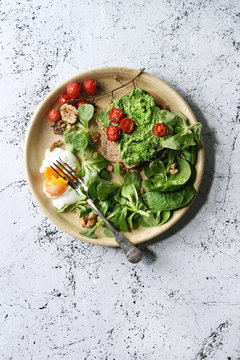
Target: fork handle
133, 254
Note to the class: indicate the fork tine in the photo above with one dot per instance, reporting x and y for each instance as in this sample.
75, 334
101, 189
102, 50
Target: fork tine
70, 182
68, 166
66, 174
55, 171
71, 173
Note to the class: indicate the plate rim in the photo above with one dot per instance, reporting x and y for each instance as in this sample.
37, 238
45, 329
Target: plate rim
201, 155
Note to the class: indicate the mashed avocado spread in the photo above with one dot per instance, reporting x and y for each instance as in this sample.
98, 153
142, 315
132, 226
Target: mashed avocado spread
141, 144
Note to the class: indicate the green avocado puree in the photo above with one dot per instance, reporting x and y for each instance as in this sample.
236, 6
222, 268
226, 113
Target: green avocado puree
141, 143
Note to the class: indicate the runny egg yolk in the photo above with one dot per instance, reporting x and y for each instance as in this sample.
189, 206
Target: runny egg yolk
54, 185
49, 172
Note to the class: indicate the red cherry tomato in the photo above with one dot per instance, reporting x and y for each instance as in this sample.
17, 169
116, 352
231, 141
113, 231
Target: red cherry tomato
63, 99
113, 133
81, 102
89, 87
160, 130
115, 115
54, 115
73, 90
127, 125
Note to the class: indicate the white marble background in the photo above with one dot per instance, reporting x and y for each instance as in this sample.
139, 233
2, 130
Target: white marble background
64, 299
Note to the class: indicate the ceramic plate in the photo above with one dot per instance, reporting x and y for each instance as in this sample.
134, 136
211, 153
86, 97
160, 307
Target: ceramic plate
40, 137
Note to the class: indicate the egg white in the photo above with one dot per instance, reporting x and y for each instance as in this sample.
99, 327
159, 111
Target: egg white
70, 196
64, 155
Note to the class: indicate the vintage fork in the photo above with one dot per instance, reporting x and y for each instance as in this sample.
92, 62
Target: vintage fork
132, 253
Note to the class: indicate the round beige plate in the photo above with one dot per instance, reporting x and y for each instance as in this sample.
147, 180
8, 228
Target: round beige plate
40, 137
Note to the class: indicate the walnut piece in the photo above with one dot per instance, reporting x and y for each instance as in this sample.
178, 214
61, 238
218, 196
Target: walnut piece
82, 222
95, 137
109, 168
173, 170
141, 191
57, 127
68, 113
55, 144
88, 221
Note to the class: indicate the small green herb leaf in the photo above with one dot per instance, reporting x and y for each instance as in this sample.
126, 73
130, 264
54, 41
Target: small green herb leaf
85, 113
107, 232
80, 142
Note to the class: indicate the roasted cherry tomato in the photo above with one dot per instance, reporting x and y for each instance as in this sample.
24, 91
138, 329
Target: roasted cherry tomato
89, 87
81, 102
127, 125
63, 99
113, 133
54, 115
160, 130
115, 115
73, 89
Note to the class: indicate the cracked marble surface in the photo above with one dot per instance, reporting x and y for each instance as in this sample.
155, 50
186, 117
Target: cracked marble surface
64, 299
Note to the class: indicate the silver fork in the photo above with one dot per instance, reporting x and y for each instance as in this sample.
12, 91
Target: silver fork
133, 254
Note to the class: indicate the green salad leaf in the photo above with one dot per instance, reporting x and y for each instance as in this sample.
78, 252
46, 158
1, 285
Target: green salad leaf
107, 232
80, 142
156, 200
132, 178
85, 113
106, 189
172, 182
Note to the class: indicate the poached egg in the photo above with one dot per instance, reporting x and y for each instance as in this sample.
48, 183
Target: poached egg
55, 187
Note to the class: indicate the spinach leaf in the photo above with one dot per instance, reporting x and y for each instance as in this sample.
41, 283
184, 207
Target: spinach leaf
85, 113
147, 171
132, 178
117, 171
165, 215
157, 200
171, 183
190, 154
105, 189
157, 168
